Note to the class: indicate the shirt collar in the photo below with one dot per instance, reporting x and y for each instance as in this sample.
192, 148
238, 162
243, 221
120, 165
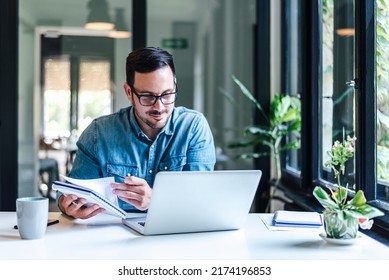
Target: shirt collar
168, 129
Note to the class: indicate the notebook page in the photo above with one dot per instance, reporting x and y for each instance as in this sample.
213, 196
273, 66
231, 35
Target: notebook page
99, 185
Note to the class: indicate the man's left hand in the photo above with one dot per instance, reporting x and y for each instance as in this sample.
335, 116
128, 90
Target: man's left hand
135, 191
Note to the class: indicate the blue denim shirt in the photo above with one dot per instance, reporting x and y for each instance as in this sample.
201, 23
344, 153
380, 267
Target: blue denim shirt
115, 145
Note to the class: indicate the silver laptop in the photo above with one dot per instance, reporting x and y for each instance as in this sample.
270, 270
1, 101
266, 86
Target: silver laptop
197, 201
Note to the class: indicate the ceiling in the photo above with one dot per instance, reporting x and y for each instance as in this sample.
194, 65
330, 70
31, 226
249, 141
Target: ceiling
73, 13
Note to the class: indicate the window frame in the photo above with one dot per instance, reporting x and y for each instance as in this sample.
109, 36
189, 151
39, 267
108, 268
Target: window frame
300, 187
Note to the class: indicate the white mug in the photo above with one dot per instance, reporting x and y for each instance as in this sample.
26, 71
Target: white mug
32, 214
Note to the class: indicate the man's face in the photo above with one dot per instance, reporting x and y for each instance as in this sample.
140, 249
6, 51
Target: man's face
152, 118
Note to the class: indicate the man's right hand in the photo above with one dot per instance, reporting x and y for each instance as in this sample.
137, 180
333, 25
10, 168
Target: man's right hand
75, 207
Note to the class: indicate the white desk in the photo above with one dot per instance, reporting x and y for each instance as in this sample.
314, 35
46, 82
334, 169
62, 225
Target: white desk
105, 237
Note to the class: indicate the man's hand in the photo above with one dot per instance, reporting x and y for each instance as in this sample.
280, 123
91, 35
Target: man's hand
135, 191
75, 207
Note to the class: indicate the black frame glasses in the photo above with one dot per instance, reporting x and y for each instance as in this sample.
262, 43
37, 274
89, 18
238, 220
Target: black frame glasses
150, 99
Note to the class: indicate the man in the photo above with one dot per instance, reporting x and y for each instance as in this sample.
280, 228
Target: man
137, 142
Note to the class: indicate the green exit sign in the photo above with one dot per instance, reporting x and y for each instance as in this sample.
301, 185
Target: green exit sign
175, 43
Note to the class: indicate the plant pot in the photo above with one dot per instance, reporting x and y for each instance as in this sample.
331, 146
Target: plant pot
339, 225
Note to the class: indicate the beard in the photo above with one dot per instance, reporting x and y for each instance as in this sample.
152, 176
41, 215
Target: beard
150, 118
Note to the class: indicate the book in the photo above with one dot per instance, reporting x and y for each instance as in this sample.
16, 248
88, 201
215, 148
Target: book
95, 191
286, 218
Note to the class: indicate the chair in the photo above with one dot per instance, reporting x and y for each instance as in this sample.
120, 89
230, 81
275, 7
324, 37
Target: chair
48, 173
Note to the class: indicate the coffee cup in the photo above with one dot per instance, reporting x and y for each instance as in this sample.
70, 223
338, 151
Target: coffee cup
32, 214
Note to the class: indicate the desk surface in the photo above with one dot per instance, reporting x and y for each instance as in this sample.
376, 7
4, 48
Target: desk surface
104, 237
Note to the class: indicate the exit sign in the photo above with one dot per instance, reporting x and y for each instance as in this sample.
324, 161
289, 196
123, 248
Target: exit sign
175, 43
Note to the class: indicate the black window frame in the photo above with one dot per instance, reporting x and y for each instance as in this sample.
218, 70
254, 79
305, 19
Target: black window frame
299, 188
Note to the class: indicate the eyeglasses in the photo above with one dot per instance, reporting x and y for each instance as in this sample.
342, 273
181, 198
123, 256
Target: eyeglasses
149, 99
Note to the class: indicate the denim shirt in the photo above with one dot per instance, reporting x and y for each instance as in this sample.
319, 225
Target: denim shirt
115, 145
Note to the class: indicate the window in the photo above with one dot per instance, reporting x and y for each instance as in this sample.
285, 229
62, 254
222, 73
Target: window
292, 70
337, 79
94, 98
56, 96
76, 85
344, 91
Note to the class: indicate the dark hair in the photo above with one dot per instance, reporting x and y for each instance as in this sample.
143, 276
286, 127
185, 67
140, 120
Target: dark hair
145, 60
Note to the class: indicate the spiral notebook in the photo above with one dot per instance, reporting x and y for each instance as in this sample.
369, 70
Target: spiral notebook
92, 196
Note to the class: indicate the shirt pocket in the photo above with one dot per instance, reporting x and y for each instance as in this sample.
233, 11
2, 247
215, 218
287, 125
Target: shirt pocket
119, 171
173, 164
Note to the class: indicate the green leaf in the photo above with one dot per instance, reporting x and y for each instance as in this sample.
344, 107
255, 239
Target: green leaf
248, 94
341, 195
290, 115
291, 145
255, 130
358, 200
295, 126
368, 211
324, 199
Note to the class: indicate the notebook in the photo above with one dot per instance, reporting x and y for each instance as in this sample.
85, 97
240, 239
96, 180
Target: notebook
103, 197
198, 201
285, 218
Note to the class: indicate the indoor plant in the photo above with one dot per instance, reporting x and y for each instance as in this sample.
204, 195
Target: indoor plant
284, 119
342, 216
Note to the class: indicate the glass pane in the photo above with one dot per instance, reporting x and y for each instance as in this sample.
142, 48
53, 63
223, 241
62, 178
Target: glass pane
293, 159
56, 98
94, 98
383, 100
337, 75
210, 42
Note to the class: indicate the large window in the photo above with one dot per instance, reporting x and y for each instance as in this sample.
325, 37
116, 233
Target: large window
56, 97
76, 87
337, 80
292, 71
344, 81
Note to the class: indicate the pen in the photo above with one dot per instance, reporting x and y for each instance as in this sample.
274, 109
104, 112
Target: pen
49, 223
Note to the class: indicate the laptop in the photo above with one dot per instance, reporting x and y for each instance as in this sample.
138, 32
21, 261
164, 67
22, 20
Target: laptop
198, 201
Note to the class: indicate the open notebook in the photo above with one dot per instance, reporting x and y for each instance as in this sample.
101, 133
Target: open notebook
94, 191
198, 201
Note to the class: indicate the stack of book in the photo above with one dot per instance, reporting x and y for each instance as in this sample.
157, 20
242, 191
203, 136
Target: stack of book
283, 218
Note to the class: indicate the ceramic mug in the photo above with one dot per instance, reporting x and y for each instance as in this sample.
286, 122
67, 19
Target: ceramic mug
32, 214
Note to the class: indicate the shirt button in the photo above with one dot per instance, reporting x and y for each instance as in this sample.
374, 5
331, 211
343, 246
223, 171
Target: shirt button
150, 171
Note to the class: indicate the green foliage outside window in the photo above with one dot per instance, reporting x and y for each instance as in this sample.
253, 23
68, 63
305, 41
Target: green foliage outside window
382, 57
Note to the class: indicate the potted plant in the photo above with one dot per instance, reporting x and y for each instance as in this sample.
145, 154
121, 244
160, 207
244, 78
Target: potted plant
283, 120
342, 217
